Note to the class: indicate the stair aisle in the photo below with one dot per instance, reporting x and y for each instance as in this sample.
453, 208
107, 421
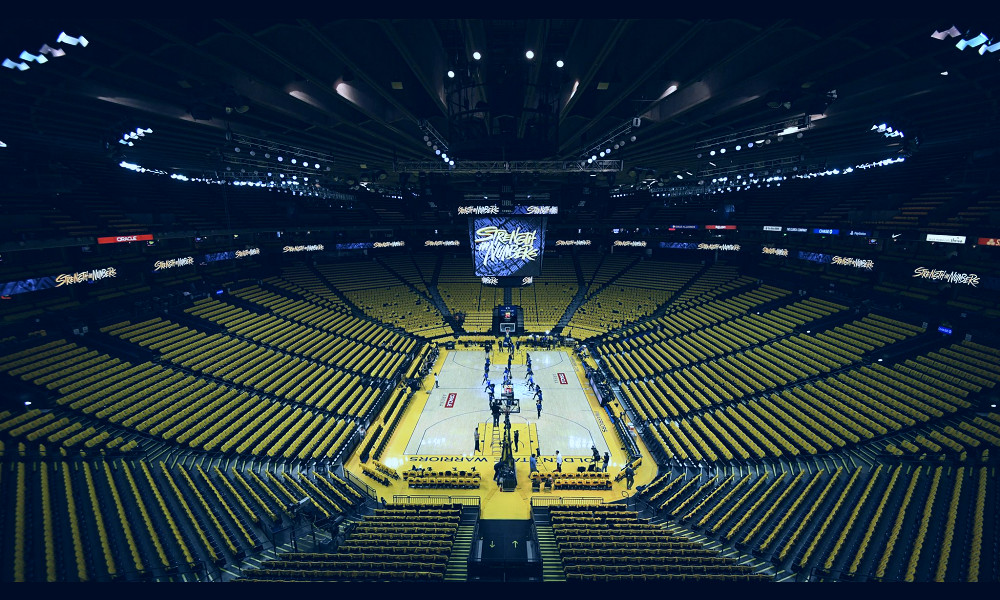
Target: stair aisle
548, 550
458, 563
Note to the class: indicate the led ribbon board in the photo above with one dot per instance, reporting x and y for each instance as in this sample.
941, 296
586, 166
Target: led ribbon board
775, 251
217, 256
535, 210
161, 265
507, 246
309, 248
946, 239
43, 283
857, 263
950, 277
701, 246
366, 245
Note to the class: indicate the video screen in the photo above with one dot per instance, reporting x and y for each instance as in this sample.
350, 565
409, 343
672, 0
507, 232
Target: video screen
507, 246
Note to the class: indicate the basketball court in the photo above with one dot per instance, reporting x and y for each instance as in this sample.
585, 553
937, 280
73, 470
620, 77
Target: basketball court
438, 428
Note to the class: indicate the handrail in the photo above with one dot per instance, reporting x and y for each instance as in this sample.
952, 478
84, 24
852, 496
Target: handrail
550, 500
367, 489
426, 499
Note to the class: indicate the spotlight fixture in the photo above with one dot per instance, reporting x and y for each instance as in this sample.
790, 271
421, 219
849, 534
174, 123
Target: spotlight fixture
72, 41
940, 35
976, 41
476, 55
529, 55
560, 64
451, 74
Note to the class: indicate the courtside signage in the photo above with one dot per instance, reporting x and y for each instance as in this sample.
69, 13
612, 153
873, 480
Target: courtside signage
450, 402
562, 378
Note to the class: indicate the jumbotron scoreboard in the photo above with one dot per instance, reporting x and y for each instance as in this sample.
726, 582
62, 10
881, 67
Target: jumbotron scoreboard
507, 250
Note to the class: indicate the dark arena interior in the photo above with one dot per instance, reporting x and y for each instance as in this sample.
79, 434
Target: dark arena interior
732, 284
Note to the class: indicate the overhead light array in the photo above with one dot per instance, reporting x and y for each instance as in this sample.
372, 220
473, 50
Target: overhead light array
742, 182
757, 137
128, 137
612, 141
981, 41
435, 142
267, 153
292, 184
39, 57
887, 131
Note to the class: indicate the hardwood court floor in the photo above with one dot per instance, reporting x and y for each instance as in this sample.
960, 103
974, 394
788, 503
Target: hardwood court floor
436, 429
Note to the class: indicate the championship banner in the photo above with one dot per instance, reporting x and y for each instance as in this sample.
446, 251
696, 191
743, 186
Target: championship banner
507, 246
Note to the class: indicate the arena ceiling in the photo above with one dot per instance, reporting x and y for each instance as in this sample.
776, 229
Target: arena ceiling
362, 94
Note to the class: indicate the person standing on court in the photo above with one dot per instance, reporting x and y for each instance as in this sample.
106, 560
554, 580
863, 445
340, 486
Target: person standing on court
629, 476
533, 463
496, 415
558, 462
477, 439
607, 458
538, 405
515, 440
436, 384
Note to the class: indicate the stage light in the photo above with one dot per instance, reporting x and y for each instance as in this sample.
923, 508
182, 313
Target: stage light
560, 64
72, 41
940, 35
13, 65
529, 55
712, 153
451, 74
280, 159
976, 41
476, 55
293, 161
